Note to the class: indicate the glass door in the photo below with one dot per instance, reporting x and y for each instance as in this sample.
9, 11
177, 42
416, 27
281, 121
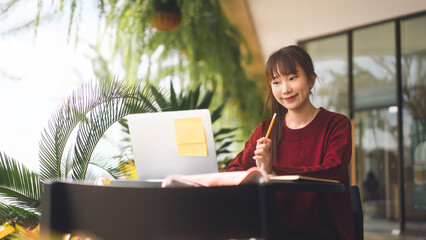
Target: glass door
330, 57
376, 144
376, 125
413, 69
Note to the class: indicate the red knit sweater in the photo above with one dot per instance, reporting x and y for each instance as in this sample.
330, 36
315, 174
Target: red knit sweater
321, 149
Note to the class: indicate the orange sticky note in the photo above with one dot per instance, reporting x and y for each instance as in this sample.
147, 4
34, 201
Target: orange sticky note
190, 137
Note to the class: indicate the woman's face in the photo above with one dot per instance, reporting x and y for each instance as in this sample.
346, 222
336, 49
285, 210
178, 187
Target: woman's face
292, 90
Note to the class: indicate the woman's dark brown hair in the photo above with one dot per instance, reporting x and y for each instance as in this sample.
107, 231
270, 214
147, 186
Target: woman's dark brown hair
283, 62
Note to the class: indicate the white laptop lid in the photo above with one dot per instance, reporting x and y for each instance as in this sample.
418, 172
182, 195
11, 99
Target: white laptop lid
164, 144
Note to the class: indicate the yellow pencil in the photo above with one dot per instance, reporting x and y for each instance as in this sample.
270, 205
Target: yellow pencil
270, 125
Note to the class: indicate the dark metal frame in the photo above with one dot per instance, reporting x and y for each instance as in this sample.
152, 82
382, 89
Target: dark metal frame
400, 133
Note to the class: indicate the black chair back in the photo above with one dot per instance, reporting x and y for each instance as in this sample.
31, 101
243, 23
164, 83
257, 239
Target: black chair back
357, 213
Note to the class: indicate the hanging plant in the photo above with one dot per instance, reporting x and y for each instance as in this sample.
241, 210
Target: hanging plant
205, 48
167, 15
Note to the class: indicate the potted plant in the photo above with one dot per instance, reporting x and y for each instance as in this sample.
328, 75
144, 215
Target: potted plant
167, 15
88, 112
205, 48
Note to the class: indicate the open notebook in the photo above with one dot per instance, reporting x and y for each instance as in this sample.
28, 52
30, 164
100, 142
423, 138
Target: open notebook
252, 175
171, 143
298, 178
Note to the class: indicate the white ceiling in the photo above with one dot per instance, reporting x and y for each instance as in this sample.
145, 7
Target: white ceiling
278, 23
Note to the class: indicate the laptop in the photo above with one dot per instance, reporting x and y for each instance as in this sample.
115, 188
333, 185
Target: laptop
170, 143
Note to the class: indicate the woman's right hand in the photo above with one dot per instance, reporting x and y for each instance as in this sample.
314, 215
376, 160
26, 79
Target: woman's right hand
262, 155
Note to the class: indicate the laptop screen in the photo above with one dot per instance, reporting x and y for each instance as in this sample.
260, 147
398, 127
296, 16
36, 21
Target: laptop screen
172, 143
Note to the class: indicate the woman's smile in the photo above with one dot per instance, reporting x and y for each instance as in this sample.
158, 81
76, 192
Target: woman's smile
288, 99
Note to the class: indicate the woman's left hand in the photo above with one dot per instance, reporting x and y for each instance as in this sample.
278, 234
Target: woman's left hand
262, 154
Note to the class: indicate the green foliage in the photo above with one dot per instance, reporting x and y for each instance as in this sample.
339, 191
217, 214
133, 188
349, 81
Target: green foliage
68, 142
206, 49
20, 192
79, 123
90, 111
186, 100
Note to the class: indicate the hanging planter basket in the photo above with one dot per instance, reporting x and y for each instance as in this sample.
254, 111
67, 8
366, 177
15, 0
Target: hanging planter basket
167, 16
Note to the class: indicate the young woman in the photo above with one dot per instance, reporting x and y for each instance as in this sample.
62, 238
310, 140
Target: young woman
304, 140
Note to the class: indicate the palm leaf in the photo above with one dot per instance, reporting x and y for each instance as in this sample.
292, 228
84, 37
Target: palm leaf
125, 126
206, 101
217, 113
188, 99
193, 98
19, 187
225, 131
60, 127
68, 160
18, 178
150, 104
20, 215
108, 164
173, 98
223, 147
217, 139
160, 99
102, 117
81, 109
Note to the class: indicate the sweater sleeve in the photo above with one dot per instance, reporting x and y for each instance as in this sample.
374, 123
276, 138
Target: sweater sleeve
244, 160
338, 151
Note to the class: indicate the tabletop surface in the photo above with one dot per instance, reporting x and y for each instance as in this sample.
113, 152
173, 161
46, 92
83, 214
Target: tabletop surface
286, 185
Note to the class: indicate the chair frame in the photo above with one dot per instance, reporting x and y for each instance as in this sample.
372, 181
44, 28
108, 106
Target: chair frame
357, 213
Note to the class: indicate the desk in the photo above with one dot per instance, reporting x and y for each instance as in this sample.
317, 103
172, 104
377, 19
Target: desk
309, 186
172, 213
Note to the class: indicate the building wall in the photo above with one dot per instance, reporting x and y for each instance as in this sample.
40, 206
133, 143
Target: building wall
282, 22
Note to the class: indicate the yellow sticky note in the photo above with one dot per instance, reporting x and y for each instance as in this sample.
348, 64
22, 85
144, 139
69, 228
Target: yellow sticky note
192, 149
190, 136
